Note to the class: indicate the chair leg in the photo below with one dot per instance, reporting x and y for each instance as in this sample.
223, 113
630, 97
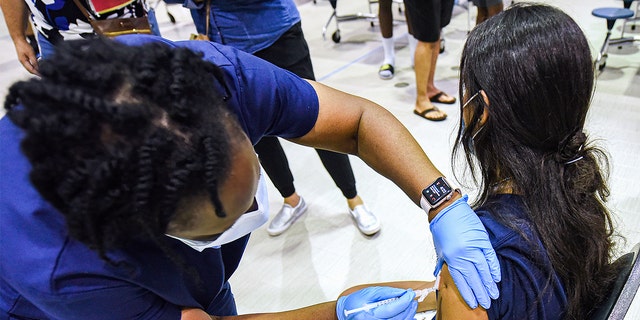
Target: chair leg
601, 61
326, 25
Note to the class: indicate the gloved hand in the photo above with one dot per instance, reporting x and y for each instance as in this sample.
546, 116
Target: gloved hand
403, 308
463, 243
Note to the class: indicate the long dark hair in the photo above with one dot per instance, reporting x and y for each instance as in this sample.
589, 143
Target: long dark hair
117, 135
534, 64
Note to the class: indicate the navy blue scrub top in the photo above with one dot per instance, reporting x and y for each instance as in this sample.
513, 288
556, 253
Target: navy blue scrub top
45, 274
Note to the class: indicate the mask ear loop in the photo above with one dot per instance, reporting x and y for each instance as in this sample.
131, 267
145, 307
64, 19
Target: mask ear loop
478, 115
466, 104
470, 99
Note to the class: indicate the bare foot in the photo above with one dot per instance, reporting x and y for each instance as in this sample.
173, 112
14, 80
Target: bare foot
427, 110
441, 97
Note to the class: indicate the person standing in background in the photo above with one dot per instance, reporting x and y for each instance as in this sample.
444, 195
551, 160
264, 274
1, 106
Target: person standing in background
385, 20
272, 30
487, 9
56, 21
426, 20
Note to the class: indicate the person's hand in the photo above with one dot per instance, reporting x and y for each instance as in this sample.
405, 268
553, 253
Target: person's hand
402, 308
463, 243
27, 56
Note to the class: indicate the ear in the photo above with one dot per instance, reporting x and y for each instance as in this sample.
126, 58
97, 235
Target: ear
485, 110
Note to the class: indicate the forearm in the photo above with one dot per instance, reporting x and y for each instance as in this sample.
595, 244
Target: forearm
386, 144
322, 311
388, 147
16, 17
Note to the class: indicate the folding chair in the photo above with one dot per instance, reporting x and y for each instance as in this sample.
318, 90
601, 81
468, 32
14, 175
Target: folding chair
371, 17
636, 16
612, 14
624, 289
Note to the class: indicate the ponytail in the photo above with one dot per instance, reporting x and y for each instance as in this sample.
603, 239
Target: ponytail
566, 203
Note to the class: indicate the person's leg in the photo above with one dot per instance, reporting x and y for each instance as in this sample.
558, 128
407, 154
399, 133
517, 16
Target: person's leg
482, 15
153, 22
424, 70
425, 27
276, 166
413, 42
435, 94
385, 19
339, 167
46, 47
432, 91
488, 9
291, 52
492, 10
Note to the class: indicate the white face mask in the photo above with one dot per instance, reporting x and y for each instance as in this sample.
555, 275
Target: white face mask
470, 144
247, 222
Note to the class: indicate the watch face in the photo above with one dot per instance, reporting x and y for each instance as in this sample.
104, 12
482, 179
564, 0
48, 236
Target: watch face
437, 191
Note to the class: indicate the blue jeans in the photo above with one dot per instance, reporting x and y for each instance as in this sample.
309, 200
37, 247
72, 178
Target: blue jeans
46, 47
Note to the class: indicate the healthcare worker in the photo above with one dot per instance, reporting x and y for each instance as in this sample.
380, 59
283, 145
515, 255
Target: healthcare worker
129, 184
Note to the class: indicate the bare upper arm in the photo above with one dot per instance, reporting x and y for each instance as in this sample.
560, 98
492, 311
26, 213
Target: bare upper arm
338, 120
195, 314
450, 302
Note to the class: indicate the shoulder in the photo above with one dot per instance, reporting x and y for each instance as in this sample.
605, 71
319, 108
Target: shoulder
450, 304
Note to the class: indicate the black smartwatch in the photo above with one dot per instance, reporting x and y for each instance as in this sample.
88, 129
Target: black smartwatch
436, 193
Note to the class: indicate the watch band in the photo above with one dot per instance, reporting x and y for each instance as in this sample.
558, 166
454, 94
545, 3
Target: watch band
425, 205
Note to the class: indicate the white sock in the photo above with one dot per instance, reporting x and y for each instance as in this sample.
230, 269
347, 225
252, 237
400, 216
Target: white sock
413, 42
389, 51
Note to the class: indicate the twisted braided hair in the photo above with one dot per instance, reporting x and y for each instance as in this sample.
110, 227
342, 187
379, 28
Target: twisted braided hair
117, 135
534, 64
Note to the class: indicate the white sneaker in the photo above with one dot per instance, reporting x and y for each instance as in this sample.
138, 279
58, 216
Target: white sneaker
286, 217
367, 222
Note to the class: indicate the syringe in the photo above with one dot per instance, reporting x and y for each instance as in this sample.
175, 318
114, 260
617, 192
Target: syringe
420, 296
368, 306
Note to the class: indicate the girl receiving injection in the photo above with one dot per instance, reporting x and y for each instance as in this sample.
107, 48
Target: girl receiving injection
526, 80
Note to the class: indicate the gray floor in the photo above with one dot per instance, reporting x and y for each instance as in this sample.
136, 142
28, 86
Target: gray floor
323, 253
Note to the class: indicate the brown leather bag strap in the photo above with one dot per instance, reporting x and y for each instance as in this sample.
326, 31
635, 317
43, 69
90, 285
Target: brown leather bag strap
88, 16
206, 32
83, 10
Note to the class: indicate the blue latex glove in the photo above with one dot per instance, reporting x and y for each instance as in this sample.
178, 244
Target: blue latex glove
463, 243
403, 308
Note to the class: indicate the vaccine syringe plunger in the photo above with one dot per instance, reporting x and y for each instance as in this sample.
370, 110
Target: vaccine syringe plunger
368, 306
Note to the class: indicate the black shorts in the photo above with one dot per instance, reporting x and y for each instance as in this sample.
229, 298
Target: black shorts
427, 17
